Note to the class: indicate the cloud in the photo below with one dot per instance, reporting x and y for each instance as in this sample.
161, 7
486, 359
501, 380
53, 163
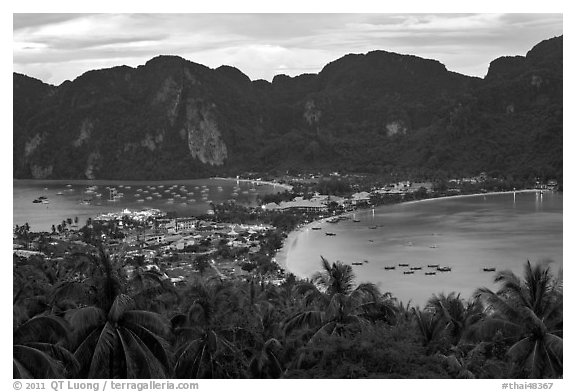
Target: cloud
23, 21
262, 45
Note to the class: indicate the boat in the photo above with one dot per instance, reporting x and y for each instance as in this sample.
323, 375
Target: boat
444, 269
356, 220
390, 267
60, 193
433, 265
433, 246
408, 272
489, 269
332, 220
429, 273
36, 201
403, 265
316, 228
373, 227
366, 261
357, 263
329, 233
86, 202
415, 268
140, 200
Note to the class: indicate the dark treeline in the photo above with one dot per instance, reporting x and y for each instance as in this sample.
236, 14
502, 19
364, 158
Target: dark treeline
92, 315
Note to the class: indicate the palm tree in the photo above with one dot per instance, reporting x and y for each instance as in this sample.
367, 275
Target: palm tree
529, 314
112, 338
265, 363
339, 305
431, 327
204, 341
39, 349
459, 316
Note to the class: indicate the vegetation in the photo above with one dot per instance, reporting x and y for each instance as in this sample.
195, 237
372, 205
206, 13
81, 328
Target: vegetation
380, 113
100, 316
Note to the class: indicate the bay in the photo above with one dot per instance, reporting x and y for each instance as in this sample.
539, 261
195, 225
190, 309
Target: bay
189, 197
465, 233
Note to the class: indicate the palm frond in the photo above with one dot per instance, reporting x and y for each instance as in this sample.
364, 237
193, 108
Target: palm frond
100, 366
38, 363
50, 329
154, 322
84, 320
122, 303
306, 319
60, 354
140, 361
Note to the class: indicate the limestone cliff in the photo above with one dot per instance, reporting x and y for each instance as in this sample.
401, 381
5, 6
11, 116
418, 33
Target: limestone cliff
204, 139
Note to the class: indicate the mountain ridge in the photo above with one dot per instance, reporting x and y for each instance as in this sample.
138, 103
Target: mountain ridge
377, 112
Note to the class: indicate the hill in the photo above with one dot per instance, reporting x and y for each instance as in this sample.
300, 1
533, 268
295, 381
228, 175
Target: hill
378, 112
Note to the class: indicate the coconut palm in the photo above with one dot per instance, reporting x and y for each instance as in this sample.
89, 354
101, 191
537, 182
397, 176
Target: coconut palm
112, 338
528, 312
39, 349
204, 341
265, 363
459, 316
122, 342
431, 328
338, 304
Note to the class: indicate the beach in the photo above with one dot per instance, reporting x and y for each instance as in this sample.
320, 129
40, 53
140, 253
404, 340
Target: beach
469, 232
259, 182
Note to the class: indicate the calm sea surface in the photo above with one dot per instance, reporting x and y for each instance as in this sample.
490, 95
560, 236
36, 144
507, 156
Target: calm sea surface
465, 233
189, 197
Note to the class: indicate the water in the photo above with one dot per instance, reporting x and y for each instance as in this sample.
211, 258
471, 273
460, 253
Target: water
465, 233
189, 197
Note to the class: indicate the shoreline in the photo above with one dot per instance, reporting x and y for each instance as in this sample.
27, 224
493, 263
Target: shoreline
271, 183
281, 256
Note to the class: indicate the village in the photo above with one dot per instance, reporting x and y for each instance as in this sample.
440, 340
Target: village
231, 241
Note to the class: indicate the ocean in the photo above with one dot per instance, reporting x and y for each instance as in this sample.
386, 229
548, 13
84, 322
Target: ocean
185, 197
467, 234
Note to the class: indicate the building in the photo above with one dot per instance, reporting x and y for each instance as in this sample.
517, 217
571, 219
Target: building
360, 198
186, 224
299, 204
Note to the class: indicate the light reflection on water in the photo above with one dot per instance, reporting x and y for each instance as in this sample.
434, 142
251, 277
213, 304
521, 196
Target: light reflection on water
467, 234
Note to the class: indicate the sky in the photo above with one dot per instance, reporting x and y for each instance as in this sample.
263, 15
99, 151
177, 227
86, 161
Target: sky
58, 47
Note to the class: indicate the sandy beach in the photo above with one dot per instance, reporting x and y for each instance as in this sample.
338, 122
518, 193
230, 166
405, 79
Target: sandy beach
281, 256
271, 183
